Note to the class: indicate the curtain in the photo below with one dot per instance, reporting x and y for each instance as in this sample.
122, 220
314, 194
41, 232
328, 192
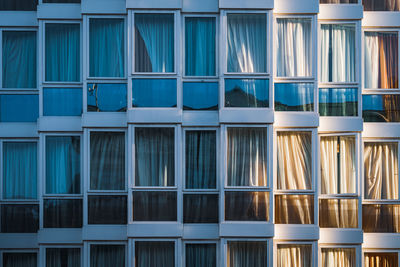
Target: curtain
381, 5
154, 206
19, 218
106, 47
154, 254
250, 93
154, 157
62, 52
381, 218
247, 48
294, 170
246, 206
200, 208
63, 257
294, 255
107, 160
154, 42
107, 255
199, 46
338, 53
339, 257
247, 254
62, 213
338, 101
381, 259
247, 156
294, 209
19, 259
338, 164
63, 165
338, 213
201, 255
19, 170
381, 170
201, 159
294, 47
294, 96
107, 209
19, 59
381, 66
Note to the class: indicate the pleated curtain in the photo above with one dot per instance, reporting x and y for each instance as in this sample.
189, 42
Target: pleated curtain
20, 260
247, 254
154, 254
338, 257
381, 259
338, 213
381, 218
107, 256
294, 256
294, 209
201, 255
63, 257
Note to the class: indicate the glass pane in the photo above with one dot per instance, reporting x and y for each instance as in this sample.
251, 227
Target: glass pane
381, 259
338, 1
247, 156
19, 259
147, 93
294, 255
247, 254
201, 159
294, 47
19, 170
381, 218
200, 96
199, 46
62, 52
106, 47
154, 206
107, 160
21, 5
62, 213
380, 56
154, 253
338, 102
107, 209
246, 206
62, 101
200, 208
247, 43
338, 213
107, 255
247, 93
62, 1
294, 209
107, 97
19, 108
381, 5
381, 108
340, 257
63, 257
294, 97
19, 57
154, 42
19, 218
154, 157
201, 255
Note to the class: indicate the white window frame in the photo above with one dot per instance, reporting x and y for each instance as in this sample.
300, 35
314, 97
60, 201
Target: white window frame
356, 247
314, 249
224, 248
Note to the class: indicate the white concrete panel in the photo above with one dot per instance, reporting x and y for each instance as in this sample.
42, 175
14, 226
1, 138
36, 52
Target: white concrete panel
18, 18
18, 129
154, 115
154, 229
341, 11
59, 11
60, 235
200, 6
340, 236
381, 130
253, 229
59, 124
381, 19
200, 118
16, 241
340, 124
296, 232
103, 7
200, 231
381, 240
250, 4
151, 4
104, 119
296, 6
104, 232
296, 119
246, 115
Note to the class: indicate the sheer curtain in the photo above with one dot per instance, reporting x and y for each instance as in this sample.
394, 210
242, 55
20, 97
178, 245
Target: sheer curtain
107, 160
199, 46
381, 66
381, 170
294, 255
294, 47
62, 48
246, 206
107, 255
247, 49
63, 257
247, 254
111, 209
381, 5
154, 254
381, 218
154, 157
63, 165
154, 205
337, 53
294, 170
200, 208
19, 59
381, 259
106, 47
201, 255
62, 213
294, 209
154, 42
247, 156
19, 170
19, 218
19, 259
339, 257
338, 213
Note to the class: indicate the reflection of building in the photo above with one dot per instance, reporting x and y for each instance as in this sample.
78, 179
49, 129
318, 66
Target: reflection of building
172, 133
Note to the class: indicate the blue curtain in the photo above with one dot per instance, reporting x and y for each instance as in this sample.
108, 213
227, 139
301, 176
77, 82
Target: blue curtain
201, 255
200, 46
62, 50
294, 96
19, 260
62, 101
19, 59
200, 96
154, 42
154, 93
19, 108
63, 164
251, 93
154, 254
107, 255
106, 47
19, 170
107, 97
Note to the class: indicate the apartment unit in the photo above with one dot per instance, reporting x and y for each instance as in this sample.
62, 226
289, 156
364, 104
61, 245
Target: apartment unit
213, 133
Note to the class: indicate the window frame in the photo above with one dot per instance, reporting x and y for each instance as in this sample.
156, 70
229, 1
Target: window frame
335, 246
314, 250
224, 248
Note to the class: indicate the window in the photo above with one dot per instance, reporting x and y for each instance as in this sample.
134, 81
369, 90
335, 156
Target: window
154, 206
338, 101
381, 218
106, 97
20, 259
246, 206
247, 93
294, 97
381, 108
151, 93
381, 5
294, 209
338, 1
247, 254
381, 259
19, 108
107, 255
64, 257
19, 218
200, 96
200, 255
200, 208
20, 5
62, 1
294, 255
107, 209
340, 257
62, 213
155, 253
62, 101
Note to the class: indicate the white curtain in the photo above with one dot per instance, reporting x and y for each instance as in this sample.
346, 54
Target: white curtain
247, 254
338, 213
294, 255
339, 257
294, 47
294, 209
294, 160
337, 53
381, 259
154, 254
381, 218
381, 170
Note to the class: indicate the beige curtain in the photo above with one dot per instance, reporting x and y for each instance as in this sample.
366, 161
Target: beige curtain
339, 257
381, 260
294, 209
338, 213
294, 256
294, 160
381, 218
381, 170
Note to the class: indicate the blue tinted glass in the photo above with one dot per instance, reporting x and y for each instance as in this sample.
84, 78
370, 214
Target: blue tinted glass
106, 97
338, 101
154, 92
19, 108
62, 101
200, 96
294, 96
381, 108
251, 93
